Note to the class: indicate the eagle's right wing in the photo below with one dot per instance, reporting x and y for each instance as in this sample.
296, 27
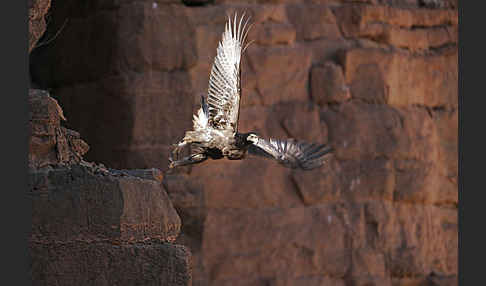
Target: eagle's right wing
224, 81
292, 153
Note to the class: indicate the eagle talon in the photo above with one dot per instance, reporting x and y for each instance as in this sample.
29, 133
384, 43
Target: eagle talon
177, 150
171, 158
171, 161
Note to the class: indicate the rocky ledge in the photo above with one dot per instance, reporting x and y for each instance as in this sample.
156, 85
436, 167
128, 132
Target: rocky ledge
91, 224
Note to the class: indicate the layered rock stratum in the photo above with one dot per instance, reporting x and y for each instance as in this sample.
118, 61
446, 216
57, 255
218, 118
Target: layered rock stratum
375, 79
92, 225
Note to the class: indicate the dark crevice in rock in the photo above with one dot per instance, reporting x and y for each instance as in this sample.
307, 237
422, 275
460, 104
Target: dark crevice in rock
298, 190
197, 3
435, 4
83, 212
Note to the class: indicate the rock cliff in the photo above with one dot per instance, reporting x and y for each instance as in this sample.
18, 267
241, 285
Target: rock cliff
92, 225
376, 79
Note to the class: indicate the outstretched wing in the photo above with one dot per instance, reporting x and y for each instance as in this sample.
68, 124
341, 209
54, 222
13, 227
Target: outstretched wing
292, 153
224, 90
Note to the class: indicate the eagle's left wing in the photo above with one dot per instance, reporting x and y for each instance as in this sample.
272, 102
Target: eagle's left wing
224, 90
292, 153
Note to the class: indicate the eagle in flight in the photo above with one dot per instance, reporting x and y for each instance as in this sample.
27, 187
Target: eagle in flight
216, 134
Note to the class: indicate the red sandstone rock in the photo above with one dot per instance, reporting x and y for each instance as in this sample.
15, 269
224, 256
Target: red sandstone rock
90, 223
311, 280
49, 142
328, 85
281, 234
447, 126
319, 185
278, 235
383, 212
270, 33
226, 191
130, 40
313, 21
90, 205
37, 24
282, 72
353, 18
401, 79
108, 264
372, 179
431, 28
146, 132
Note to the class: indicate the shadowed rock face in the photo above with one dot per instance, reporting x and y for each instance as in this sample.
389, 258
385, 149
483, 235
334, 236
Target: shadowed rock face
377, 80
37, 23
109, 264
97, 227
98, 204
94, 225
49, 142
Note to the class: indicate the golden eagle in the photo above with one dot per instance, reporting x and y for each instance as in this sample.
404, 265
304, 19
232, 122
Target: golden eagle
215, 133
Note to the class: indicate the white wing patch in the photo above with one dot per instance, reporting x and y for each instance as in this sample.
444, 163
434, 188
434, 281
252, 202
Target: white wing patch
200, 121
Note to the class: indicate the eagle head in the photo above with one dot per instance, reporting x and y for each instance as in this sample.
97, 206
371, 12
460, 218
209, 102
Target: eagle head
244, 140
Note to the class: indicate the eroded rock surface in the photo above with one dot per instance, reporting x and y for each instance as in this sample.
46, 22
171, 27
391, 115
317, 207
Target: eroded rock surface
91, 224
49, 142
377, 80
37, 20
99, 263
